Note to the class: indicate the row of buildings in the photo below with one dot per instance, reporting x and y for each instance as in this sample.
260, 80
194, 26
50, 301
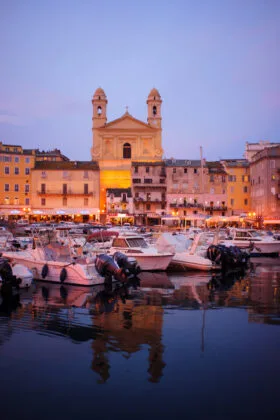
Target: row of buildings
127, 178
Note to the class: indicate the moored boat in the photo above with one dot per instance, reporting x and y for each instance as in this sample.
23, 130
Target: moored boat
148, 257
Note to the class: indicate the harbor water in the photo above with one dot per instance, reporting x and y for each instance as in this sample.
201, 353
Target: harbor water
192, 345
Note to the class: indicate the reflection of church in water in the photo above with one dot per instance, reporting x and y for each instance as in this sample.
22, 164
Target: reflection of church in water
126, 326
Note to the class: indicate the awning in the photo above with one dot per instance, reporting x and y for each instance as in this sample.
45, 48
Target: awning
65, 211
216, 219
272, 222
153, 215
194, 217
13, 212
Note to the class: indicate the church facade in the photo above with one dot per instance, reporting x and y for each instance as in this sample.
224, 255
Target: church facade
116, 144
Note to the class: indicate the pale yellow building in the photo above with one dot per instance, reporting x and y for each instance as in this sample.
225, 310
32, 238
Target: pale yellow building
117, 143
69, 189
15, 191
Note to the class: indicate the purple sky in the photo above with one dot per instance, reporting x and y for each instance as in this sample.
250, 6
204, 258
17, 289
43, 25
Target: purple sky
216, 64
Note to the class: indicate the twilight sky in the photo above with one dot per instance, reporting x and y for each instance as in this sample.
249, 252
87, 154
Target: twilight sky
216, 64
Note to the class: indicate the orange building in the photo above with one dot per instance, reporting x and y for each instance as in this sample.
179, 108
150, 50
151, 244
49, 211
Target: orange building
238, 186
15, 169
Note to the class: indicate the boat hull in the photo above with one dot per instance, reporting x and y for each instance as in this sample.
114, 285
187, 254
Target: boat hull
153, 262
183, 262
76, 274
258, 248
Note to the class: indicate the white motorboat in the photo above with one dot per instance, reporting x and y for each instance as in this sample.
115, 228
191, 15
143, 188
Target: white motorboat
148, 257
55, 263
188, 254
253, 240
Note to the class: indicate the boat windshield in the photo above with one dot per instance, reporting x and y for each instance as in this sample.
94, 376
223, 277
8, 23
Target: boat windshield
137, 242
254, 233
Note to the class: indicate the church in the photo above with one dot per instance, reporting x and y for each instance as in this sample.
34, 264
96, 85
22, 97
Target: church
118, 143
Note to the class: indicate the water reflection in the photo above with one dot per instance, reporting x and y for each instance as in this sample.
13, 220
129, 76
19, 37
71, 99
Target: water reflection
130, 318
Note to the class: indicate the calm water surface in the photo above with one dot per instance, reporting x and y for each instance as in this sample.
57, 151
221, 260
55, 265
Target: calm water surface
176, 346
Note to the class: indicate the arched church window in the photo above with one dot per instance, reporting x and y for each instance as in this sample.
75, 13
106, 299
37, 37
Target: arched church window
126, 151
154, 110
99, 110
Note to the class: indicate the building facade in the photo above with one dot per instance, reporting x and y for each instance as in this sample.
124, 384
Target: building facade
265, 183
195, 190
16, 164
119, 205
149, 191
238, 186
117, 143
69, 189
252, 148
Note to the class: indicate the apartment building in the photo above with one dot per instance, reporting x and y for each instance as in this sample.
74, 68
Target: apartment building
16, 164
265, 183
149, 191
238, 186
65, 189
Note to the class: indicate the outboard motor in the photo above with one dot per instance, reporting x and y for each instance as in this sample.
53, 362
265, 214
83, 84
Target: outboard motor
15, 244
108, 268
128, 264
9, 281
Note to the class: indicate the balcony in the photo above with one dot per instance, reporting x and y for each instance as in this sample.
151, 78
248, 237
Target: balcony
186, 205
64, 193
151, 200
216, 208
148, 182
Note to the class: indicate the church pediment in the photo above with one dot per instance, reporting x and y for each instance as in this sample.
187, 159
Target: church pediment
127, 122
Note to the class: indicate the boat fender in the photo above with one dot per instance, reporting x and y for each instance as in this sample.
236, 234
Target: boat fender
45, 271
63, 275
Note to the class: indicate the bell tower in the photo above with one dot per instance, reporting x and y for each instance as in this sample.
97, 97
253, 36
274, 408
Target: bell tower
154, 108
99, 103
